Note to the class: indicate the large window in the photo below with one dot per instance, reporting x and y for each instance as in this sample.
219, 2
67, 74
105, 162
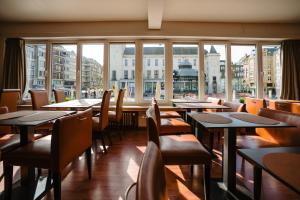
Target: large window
92, 71
64, 69
119, 76
185, 71
271, 71
243, 66
215, 70
36, 66
153, 77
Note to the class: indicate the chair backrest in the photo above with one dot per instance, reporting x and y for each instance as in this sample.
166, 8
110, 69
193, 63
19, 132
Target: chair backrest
151, 181
234, 107
10, 98
119, 106
253, 105
152, 129
39, 98
214, 100
71, 136
103, 117
59, 95
282, 136
284, 106
4, 129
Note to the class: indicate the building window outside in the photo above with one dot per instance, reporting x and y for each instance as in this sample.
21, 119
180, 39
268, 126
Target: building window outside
35, 55
133, 62
118, 53
153, 87
126, 62
132, 74
215, 70
185, 74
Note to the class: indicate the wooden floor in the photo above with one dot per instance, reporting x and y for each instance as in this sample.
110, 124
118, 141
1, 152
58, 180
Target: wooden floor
115, 171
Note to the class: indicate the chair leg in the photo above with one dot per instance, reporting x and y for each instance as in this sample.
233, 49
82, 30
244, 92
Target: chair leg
49, 178
257, 182
211, 140
207, 181
192, 170
8, 173
89, 161
57, 185
103, 143
109, 138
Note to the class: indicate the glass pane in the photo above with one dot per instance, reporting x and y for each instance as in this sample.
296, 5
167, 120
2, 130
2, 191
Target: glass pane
122, 69
35, 67
64, 69
272, 71
92, 71
154, 71
215, 71
243, 58
185, 71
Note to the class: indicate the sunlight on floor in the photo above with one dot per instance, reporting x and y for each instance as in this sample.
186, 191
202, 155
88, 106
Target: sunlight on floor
176, 170
184, 192
141, 148
132, 170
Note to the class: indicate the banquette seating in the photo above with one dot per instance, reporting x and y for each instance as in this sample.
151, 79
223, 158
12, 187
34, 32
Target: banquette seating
253, 105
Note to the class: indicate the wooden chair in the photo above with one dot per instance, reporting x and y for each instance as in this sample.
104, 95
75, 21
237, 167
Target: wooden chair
116, 117
151, 181
182, 149
100, 122
39, 98
169, 126
59, 95
10, 98
253, 105
54, 152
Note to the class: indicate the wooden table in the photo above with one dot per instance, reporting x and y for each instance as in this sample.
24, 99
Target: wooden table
81, 104
229, 146
26, 125
200, 106
255, 157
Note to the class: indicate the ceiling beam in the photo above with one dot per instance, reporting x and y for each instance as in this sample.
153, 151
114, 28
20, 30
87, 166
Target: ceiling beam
155, 13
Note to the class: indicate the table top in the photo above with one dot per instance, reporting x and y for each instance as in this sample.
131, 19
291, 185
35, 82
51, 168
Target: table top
236, 123
74, 104
189, 100
33, 118
200, 106
257, 155
133, 108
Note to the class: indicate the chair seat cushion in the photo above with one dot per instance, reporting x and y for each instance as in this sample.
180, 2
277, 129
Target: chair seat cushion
174, 125
8, 142
169, 114
183, 149
253, 142
37, 153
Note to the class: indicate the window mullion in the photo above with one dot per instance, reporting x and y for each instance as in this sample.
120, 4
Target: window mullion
259, 71
201, 73
78, 70
228, 73
139, 71
168, 71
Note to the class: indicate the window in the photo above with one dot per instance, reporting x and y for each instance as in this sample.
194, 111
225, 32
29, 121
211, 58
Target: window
132, 74
185, 74
64, 69
271, 71
243, 58
35, 72
92, 71
133, 62
118, 53
153, 87
126, 62
125, 74
195, 62
215, 71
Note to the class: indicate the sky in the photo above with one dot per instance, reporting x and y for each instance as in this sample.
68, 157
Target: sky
96, 51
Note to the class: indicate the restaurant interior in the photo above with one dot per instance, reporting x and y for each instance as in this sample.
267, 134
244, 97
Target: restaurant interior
149, 99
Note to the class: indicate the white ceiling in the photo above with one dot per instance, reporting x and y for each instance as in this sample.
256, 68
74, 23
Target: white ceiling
253, 11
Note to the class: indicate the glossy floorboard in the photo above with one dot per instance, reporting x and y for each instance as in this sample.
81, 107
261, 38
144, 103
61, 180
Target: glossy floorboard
115, 171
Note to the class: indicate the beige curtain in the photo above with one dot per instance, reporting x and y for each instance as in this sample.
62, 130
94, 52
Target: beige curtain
290, 58
14, 69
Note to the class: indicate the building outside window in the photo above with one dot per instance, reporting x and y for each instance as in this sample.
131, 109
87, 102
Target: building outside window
153, 87
35, 74
126, 62
133, 62
185, 74
118, 53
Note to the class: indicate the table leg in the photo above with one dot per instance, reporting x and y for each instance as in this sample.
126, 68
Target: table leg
257, 182
26, 136
229, 152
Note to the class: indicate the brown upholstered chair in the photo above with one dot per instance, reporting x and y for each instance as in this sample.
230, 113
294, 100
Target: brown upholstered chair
268, 137
151, 181
39, 98
10, 98
101, 122
284, 106
71, 137
59, 95
213, 101
117, 116
182, 149
169, 126
253, 105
